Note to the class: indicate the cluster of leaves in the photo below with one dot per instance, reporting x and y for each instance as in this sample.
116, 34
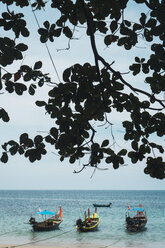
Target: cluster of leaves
9, 51
88, 92
32, 149
26, 74
14, 22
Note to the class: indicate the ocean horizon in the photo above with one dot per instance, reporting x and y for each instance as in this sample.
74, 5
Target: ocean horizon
17, 206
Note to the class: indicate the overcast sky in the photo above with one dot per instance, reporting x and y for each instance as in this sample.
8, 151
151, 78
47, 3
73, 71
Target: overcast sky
50, 173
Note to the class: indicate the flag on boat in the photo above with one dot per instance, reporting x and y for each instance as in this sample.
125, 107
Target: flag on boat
60, 212
40, 210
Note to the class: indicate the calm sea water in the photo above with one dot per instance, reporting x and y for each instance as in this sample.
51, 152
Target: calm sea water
16, 207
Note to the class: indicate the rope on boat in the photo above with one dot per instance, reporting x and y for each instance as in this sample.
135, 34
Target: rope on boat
37, 241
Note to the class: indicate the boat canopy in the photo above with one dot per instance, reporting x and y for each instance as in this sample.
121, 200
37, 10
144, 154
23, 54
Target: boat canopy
136, 209
45, 212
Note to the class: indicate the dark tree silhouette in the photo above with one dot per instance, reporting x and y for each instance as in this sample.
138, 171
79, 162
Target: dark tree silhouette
89, 92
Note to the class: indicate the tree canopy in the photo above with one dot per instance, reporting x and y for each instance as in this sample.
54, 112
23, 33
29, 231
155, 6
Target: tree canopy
83, 101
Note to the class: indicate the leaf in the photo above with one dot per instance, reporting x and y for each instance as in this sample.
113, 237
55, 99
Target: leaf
38, 139
57, 32
135, 68
113, 26
137, 26
134, 145
17, 76
54, 132
143, 19
151, 23
37, 65
110, 39
13, 150
122, 41
20, 88
123, 152
23, 138
42, 31
25, 32
40, 103
4, 115
105, 143
128, 23
67, 32
31, 90
107, 40
50, 140
108, 160
21, 47
72, 159
66, 74
4, 157
137, 59
6, 16
47, 24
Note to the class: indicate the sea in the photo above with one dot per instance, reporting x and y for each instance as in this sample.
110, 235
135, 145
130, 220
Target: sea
17, 206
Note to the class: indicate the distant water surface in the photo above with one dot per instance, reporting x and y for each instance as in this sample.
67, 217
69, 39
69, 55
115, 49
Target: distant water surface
17, 206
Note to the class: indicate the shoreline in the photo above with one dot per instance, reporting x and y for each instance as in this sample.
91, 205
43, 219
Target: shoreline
62, 246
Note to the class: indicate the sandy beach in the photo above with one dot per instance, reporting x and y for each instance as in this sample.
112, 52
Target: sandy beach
63, 246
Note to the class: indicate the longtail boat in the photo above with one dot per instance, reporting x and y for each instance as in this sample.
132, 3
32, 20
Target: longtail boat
102, 205
47, 224
89, 223
136, 219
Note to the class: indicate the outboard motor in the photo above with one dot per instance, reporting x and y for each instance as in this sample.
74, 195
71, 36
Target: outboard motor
32, 221
79, 223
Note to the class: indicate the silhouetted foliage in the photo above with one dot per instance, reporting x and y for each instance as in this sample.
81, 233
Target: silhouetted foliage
90, 92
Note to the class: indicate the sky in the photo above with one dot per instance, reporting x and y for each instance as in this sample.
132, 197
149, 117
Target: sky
50, 173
